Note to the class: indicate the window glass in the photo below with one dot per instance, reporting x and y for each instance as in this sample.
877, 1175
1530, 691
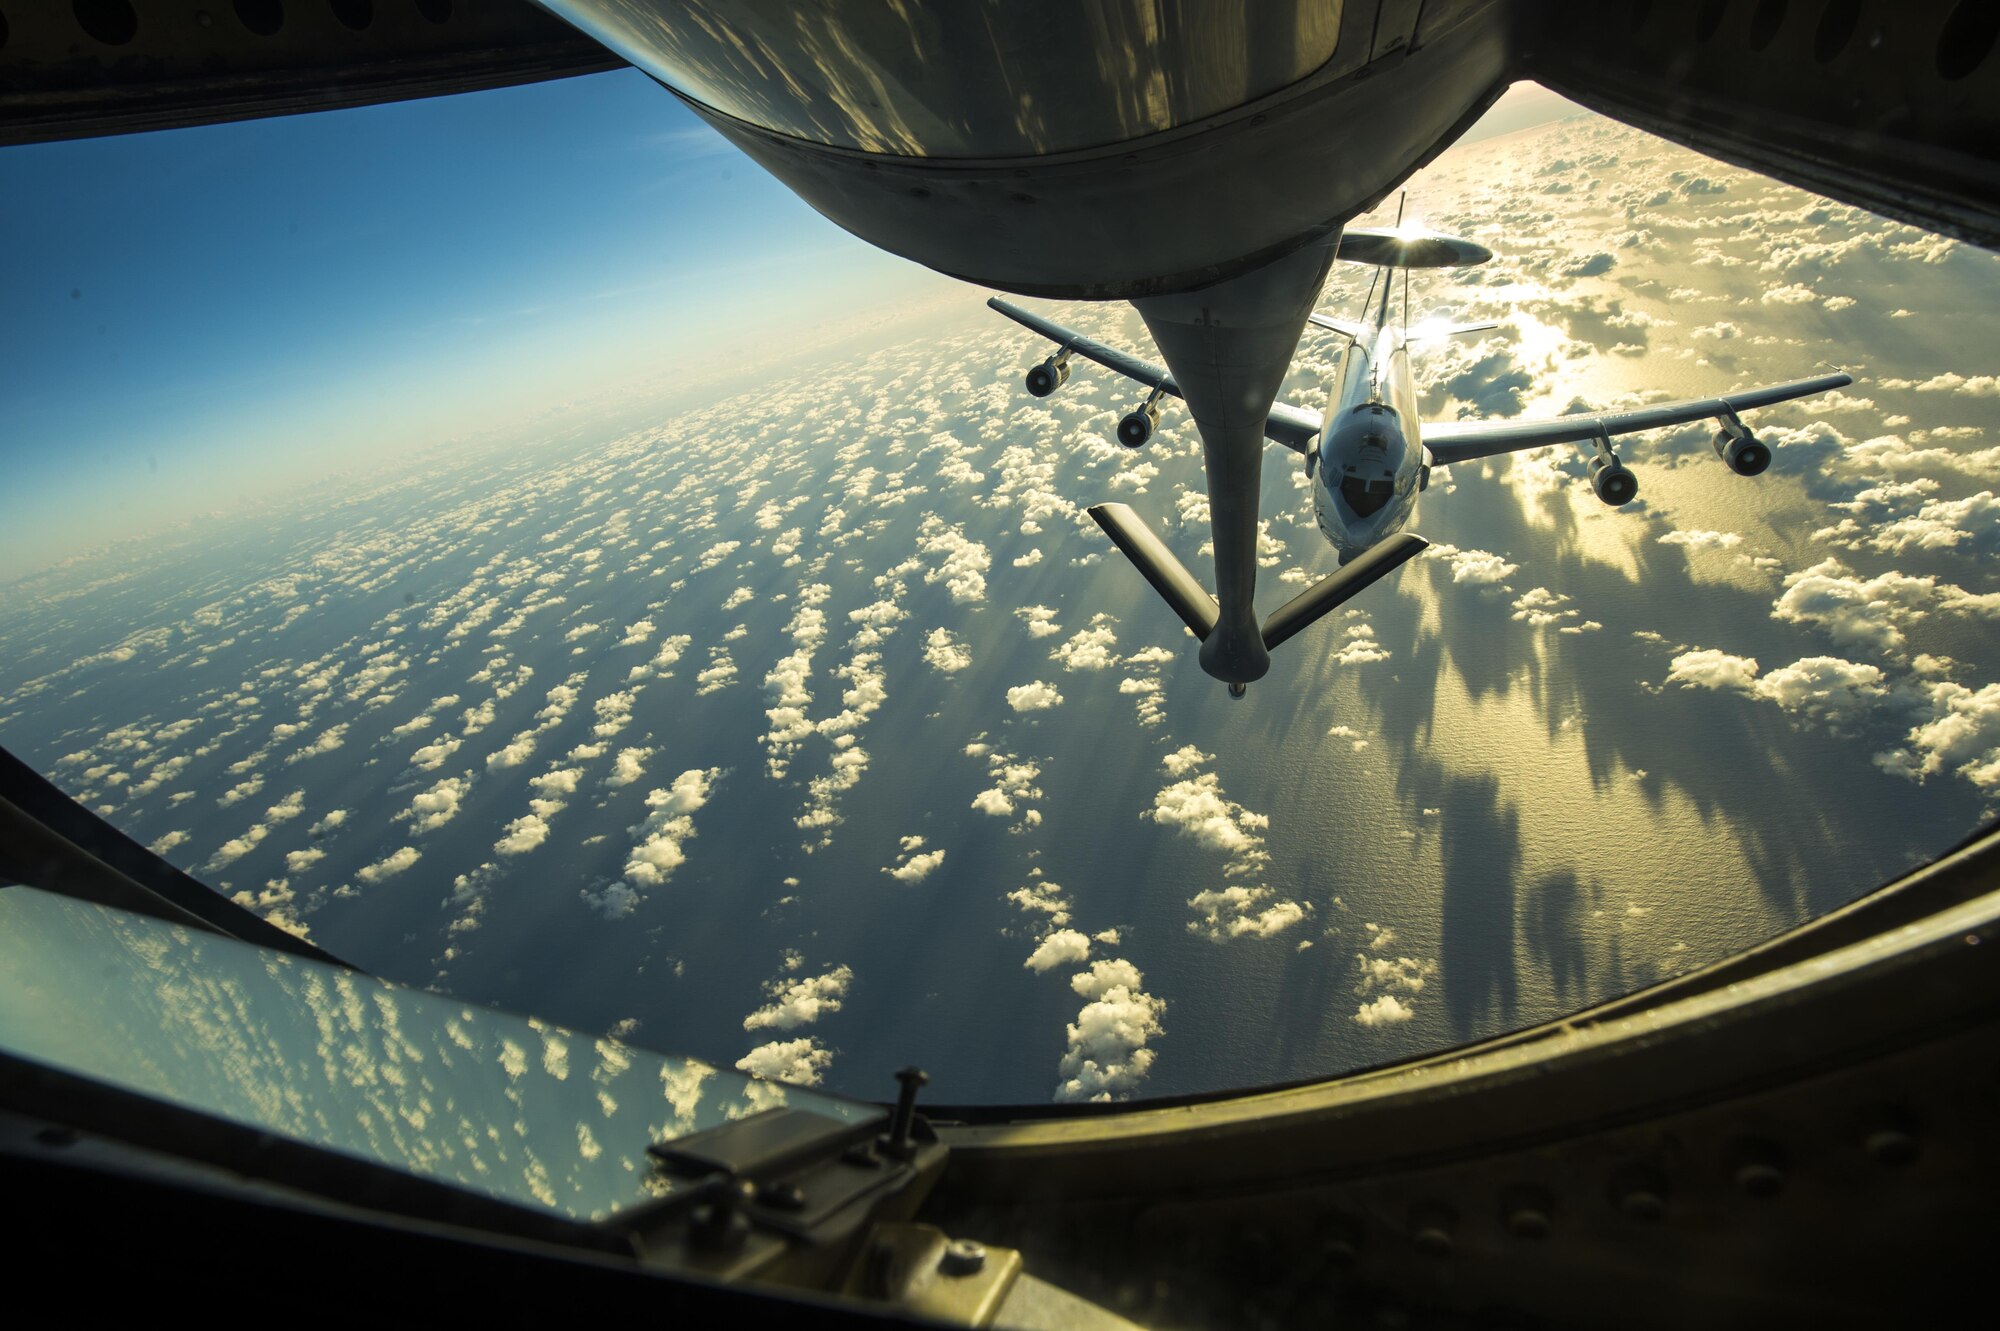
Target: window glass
1364, 496
498, 1104
513, 541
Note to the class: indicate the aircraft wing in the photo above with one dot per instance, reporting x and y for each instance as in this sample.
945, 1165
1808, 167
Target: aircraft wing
1145, 372
1293, 427
1462, 441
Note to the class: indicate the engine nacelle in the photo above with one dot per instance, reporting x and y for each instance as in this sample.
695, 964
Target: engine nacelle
1613, 481
1136, 429
1744, 453
1047, 377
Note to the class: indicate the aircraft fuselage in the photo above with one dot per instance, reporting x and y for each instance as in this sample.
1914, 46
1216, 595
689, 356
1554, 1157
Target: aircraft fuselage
1367, 467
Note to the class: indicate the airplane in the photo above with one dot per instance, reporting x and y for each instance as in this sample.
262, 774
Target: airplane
1368, 455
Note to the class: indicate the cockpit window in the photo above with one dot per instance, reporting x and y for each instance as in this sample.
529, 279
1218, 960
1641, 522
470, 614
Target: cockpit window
508, 1106
1366, 497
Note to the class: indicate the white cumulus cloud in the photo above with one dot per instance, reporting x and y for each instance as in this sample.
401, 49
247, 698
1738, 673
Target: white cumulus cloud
1061, 947
1238, 911
1040, 619
628, 766
801, 1001
914, 863
669, 823
1696, 539
390, 865
721, 673
437, 806
1480, 568
944, 653
1386, 1010
1094, 648
1708, 668
962, 561
1038, 696
522, 835
803, 1062
1196, 807
1108, 1054
1961, 736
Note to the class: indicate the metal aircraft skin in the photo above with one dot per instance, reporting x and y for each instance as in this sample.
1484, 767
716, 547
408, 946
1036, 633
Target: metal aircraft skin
1369, 454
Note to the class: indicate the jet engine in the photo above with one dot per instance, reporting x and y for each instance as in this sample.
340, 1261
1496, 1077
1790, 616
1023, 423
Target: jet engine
1613, 481
1136, 429
1050, 375
1743, 452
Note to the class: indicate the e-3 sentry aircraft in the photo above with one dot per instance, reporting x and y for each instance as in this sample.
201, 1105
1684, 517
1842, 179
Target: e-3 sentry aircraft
1368, 455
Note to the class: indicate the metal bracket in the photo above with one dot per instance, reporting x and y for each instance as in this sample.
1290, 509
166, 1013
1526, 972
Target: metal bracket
919, 1269
1601, 442
761, 1147
785, 1190
785, 1170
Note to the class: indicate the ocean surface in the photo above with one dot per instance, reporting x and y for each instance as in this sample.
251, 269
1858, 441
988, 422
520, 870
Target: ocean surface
813, 728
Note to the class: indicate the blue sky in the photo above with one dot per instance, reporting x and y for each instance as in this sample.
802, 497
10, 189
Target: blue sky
198, 317
192, 315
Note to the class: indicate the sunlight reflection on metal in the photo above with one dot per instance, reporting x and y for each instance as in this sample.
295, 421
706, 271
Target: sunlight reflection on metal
928, 79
